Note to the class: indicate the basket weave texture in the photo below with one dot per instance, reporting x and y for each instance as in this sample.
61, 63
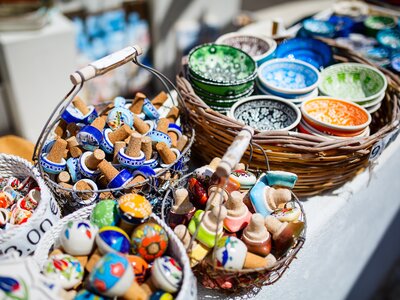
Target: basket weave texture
320, 164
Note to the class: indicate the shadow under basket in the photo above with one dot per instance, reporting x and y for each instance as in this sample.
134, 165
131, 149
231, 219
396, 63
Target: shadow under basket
321, 164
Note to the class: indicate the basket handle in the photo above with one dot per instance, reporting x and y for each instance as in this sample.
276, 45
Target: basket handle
105, 64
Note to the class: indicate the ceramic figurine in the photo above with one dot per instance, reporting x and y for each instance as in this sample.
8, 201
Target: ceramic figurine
284, 234
112, 239
149, 241
105, 213
238, 215
182, 210
166, 274
212, 221
256, 236
77, 237
281, 179
197, 193
65, 269
90, 136
245, 178
133, 210
140, 267
287, 214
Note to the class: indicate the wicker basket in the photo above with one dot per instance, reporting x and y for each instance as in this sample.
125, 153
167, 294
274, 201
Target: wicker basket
24, 238
320, 164
175, 249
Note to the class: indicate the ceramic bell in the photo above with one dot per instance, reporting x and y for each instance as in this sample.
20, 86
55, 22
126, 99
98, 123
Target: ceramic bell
105, 213
166, 274
182, 210
245, 178
65, 269
281, 179
140, 267
238, 215
197, 193
77, 237
149, 241
212, 221
112, 239
256, 236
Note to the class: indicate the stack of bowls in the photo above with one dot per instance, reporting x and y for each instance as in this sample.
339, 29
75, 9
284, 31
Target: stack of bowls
221, 75
334, 118
362, 84
291, 79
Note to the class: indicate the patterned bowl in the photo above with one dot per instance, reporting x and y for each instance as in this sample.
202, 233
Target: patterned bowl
335, 116
373, 24
312, 51
389, 38
205, 94
352, 81
319, 28
259, 48
266, 113
221, 65
283, 77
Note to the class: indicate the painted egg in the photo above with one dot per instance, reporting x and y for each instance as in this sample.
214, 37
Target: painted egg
161, 295
77, 237
87, 295
112, 275
134, 208
105, 213
150, 241
65, 269
230, 253
112, 239
140, 267
166, 274
245, 178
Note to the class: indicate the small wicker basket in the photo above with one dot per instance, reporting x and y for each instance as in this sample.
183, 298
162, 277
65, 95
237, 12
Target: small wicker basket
320, 164
175, 249
24, 238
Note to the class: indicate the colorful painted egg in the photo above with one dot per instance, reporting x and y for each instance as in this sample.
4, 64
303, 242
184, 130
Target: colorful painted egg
134, 208
105, 213
112, 239
150, 241
245, 178
65, 269
140, 267
161, 295
87, 295
77, 237
112, 275
166, 274
230, 253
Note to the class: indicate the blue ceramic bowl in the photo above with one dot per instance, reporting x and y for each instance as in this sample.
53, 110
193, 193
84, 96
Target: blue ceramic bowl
319, 28
158, 136
296, 99
395, 62
285, 76
130, 162
312, 51
52, 167
343, 25
389, 38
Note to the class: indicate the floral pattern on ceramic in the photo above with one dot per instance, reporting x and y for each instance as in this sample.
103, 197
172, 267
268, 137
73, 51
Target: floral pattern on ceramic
140, 267
150, 241
77, 237
14, 288
65, 269
105, 213
112, 239
230, 253
167, 274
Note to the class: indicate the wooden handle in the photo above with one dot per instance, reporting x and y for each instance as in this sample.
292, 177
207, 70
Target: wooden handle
105, 64
235, 152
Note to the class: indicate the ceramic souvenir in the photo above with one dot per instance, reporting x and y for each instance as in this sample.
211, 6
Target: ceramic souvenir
256, 236
105, 213
287, 214
343, 25
89, 137
74, 115
182, 210
30, 201
161, 295
89, 170
85, 198
204, 173
197, 193
238, 215
119, 115
112, 239
149, 110
389, 39
149, 241
87, 295
65, 269
77, 237
50, 166
245, 178
166, 274
140, 267
73, 169
158, 137
281, 179
134, 209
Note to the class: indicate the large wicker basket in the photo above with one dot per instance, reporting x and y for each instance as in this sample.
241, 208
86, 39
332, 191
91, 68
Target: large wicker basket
321, 164
175, 249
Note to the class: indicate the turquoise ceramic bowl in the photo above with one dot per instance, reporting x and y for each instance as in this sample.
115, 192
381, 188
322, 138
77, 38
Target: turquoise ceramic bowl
390, 39
352, 81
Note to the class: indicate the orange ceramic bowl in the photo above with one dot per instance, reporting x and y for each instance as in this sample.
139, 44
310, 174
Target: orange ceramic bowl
304, 127
335, 116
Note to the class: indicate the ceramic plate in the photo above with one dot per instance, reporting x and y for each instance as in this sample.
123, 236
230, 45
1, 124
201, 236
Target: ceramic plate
266, 113
352, 81
285, 76
221, 64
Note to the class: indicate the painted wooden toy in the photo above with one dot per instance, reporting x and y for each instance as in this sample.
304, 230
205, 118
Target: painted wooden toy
105, 213
256, 236
197, 193
210, 227
112, 239
245, 178
77, 237
65, 269
182, 210
140, 267
149, 241
238, 215
166, 274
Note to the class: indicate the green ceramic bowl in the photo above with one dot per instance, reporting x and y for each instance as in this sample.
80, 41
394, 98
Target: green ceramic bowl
202, 93
352, 81
225, 103
375, 23
221, 65
221, 90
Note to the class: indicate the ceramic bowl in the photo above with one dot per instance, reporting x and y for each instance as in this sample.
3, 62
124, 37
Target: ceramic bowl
335, 115
352, 81
312, 51
343, 25
225, 103
389, 38
295, 99
205, 94
304, 127
395, 62
373, 24
266, 113
283, 76
319, 28
258, 47
372, 102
